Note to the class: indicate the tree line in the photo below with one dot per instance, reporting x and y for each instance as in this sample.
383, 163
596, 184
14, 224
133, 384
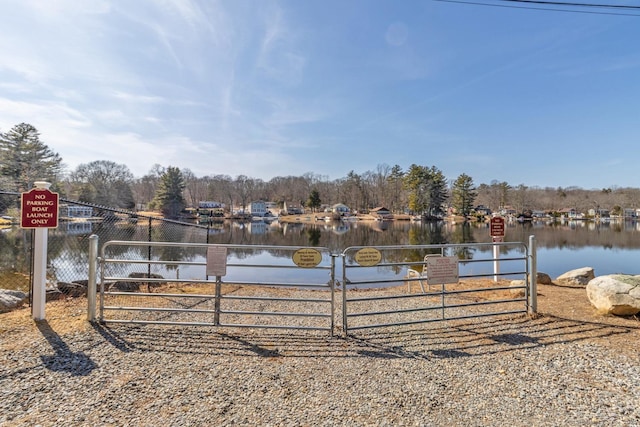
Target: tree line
421, 190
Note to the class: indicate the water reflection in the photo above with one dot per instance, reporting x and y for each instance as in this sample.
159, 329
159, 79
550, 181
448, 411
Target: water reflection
607, 246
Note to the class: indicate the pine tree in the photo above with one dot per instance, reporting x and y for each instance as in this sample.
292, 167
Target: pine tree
314, 201
25, 159
463, 194
169, 195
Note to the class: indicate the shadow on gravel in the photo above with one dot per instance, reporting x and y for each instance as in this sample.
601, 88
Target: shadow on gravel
453, 339
496, 336
111, 338
64, 360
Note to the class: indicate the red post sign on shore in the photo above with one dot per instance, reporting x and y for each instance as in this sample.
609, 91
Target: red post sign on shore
497, 226
39, 209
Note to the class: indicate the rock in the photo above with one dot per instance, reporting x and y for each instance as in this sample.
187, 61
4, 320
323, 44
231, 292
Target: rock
577, 277
10, 299
53, 294
518, 290
135, 286
543, 279
73, 289
617, 294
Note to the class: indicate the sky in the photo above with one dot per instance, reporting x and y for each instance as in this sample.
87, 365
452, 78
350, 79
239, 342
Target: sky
278, 88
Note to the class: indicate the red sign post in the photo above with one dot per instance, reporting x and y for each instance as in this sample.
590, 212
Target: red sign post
497, 236
497, 226
40, 212
39, 209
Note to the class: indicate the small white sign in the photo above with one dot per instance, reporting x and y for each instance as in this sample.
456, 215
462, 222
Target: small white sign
441, 270
216, 261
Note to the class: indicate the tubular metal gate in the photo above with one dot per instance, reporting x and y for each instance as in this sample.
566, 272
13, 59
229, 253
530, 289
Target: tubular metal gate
372, 298
387, 286
135, 286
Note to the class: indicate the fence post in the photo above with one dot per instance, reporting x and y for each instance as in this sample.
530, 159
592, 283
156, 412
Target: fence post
216, 314
92, 282
533, 276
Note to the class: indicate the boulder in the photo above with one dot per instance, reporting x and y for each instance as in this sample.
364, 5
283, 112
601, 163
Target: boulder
577, 277
53, 294
73, 289
10, 299
617, 294
543, 279
135, 286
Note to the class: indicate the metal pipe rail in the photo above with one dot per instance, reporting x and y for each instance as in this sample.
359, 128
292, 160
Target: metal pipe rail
224, 304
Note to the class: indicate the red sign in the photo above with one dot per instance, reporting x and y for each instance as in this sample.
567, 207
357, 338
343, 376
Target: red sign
497, 226
39, 209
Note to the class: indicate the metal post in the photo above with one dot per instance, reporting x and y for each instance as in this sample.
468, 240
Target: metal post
149, 251
216, 315
533, 276
345, 327
332, 284
91, 284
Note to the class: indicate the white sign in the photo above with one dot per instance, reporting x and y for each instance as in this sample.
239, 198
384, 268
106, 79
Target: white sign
441, 270
216, 261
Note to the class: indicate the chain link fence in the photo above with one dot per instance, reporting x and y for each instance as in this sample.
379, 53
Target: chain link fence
68, 245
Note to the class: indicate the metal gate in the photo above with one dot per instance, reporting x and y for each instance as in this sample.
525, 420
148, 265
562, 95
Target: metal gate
216, 285
294, 287
402, 285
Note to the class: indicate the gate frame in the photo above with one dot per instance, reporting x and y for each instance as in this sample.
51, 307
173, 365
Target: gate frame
530, 286
98, 261
217, 297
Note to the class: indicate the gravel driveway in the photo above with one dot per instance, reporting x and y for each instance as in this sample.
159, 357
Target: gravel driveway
517, 371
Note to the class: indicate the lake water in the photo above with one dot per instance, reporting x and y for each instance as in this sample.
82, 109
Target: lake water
608, 247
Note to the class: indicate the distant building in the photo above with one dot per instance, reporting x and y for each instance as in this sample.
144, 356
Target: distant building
74, 211
258, 208
381, 212
508, 211
570, 213
340, 209
482, 209
602, 213
291, 209
210, 205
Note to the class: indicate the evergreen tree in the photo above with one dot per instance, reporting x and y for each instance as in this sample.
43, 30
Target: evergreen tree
395, 178
416, 181
463, 195
169, 196
427, 190
25, 159
314, 201
437, 192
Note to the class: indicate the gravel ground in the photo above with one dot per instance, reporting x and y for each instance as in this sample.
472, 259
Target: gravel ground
509, 370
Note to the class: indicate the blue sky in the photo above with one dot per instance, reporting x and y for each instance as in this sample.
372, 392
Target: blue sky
277, 88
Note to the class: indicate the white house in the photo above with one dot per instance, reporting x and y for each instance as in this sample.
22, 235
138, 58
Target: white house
258, 208
340, 209
74, 211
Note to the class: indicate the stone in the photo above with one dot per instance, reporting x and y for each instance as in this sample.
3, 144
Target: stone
135, 286
617, 294
73, 289
53, 294
10, 299
518, 290
543, 279
577, 277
